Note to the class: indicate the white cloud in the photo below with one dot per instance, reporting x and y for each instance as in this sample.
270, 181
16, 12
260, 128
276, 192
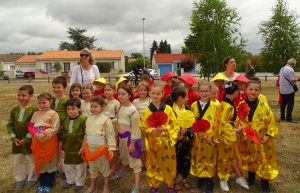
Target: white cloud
36, 25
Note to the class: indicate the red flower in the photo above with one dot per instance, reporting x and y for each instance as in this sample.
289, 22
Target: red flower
200, 126
252, 135
157, 119
243, 111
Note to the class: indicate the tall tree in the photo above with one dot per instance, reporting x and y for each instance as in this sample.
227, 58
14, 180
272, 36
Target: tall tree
136, 55
214, 35
79, 40
153, 48
164, 47
281, 36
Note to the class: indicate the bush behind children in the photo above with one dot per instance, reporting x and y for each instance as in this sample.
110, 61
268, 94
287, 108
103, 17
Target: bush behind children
89, 130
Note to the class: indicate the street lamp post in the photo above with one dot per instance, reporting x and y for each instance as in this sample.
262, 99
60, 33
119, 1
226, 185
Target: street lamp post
144, 43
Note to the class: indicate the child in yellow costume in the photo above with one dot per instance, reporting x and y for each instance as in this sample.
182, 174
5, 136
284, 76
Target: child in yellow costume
160, 143
204, 150
260, 158
229, 127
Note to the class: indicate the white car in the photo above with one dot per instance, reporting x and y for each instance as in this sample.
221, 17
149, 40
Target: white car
19, 74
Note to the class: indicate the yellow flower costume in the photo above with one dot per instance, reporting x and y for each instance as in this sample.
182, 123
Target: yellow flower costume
160, 148
261, 158
204, 155
225, 121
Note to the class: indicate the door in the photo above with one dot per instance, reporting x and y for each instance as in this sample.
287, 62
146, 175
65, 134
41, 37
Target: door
163, 68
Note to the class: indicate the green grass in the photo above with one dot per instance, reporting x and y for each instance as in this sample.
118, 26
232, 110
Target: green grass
287, 147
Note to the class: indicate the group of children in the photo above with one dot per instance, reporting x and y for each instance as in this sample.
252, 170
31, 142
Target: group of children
96, 129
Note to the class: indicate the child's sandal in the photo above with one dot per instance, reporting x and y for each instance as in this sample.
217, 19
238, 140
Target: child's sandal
117, 175
188, 187
135, 190
177, 188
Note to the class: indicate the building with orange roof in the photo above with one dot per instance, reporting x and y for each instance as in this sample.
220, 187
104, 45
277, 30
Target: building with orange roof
69, 59
26, 63
168, 62
8, 61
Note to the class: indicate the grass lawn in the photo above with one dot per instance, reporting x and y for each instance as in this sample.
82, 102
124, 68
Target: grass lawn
287, 146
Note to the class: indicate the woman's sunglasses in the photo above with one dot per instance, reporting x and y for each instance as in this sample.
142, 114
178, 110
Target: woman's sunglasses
84, 55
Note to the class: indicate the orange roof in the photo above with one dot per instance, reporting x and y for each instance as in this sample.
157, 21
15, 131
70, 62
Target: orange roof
169, 58
27, 59
74, 55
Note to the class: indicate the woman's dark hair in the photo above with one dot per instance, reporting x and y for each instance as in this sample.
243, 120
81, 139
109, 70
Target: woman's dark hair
177, 91
226, 61
47, 96
73, 102
75, 85
230, 87
127, 88
28, 88
99, 100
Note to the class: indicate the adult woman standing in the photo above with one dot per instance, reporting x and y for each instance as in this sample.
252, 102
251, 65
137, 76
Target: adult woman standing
230, 67
86, 72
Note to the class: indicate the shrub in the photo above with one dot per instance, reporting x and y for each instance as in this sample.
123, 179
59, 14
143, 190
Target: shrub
104, 67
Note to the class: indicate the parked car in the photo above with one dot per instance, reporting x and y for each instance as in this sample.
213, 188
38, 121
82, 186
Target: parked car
19, 74
5, 75
29, 74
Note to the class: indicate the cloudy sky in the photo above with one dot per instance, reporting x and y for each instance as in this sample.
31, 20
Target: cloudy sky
35, 25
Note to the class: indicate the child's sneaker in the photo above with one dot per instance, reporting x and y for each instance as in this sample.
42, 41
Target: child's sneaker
30, 184
67, 185
224, 186
19, 186
78, 188
40, 189
242, 182
170, 190
47, 189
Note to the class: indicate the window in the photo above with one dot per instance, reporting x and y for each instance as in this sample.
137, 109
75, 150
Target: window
12, 67
67, 67
114, 65
49, 67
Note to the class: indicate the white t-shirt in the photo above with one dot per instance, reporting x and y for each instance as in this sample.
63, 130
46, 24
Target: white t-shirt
88, 76
285, 86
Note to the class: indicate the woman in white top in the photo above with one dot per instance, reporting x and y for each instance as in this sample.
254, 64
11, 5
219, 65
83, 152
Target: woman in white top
230, 67
86, 72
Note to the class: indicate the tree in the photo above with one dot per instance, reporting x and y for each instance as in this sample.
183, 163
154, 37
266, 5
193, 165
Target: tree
214, 35
104, 67
153, 48
281, 36
139, 61
79, 40
164, 47
136, 55
57, 66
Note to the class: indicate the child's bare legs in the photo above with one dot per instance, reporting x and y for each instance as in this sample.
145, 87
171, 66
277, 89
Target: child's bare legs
240, 178
106, 183
114, 164
238, 171
137, 180
123, 168
93, 184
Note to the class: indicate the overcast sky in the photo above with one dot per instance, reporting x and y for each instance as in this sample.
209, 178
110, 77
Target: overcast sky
35, 25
